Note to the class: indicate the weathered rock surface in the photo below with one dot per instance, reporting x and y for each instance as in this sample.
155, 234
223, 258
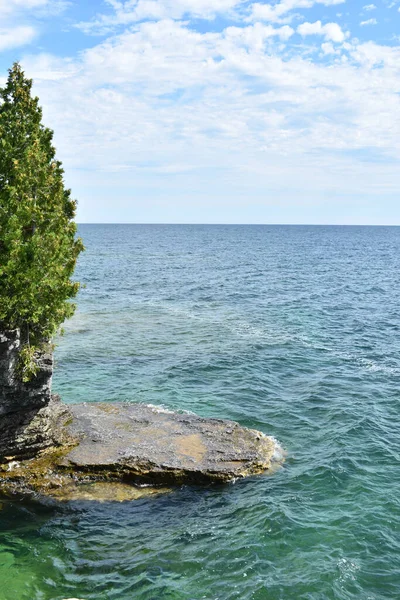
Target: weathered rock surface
24, 435
27, 420
139, 444
149, 444
16, 396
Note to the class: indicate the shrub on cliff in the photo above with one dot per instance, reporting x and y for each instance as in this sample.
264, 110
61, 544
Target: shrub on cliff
38, 245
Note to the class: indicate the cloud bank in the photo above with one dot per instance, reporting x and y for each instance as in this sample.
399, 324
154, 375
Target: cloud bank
269, 106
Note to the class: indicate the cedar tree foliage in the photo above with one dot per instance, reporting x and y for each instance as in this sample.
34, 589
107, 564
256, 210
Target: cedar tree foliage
38, 244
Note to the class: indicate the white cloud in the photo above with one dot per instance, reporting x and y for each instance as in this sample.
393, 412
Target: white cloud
162, 100
161, 9
328, 48
133, 11
166, 95
16, 27
278, 12
9, 8
331, 31
254, 36
368, 22
17, 36
370, 55
369, 7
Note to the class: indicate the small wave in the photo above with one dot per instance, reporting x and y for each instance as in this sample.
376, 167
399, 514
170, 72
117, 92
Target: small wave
161, 409
347, 569
370, 365
246, 330
279, 454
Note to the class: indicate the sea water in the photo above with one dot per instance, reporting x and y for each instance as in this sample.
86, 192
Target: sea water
293, 330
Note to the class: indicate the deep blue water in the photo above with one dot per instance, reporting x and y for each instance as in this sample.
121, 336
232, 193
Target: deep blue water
293, 330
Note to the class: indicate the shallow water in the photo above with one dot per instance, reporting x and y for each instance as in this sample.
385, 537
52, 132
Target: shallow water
292, 330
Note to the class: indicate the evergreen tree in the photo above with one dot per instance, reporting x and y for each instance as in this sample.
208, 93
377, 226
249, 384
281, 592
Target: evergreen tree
38, 245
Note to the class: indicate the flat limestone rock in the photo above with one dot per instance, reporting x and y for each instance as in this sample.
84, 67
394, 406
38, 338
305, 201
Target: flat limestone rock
148, 444
120, 451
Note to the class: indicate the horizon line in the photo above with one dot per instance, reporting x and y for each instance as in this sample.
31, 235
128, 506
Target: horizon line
242, 224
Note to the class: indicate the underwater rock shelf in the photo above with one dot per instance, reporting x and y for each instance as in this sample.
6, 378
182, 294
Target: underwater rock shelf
137, 444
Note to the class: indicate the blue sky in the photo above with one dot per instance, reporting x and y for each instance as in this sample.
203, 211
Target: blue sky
218, 111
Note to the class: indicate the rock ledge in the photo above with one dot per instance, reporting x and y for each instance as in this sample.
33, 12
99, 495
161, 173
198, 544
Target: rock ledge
139, 444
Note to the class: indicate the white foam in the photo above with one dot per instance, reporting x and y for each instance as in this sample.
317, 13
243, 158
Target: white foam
161, 409
279, 453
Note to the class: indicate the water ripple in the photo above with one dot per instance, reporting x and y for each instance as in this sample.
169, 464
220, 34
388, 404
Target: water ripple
293, 330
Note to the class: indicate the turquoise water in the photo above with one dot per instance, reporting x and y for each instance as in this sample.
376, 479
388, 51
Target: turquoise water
292, 330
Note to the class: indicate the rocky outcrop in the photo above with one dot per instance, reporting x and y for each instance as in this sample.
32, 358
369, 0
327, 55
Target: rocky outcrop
76, 451
29, 415
136, 444
148, 444
16, 396
25, 434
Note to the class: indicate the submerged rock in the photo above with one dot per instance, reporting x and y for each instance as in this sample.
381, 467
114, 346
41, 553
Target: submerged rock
135, 444
105, 491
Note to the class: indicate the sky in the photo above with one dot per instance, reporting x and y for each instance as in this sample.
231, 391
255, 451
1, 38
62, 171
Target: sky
218, 111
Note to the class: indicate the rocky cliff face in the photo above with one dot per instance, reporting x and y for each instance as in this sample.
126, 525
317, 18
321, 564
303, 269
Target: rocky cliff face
28, 413
16, 396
